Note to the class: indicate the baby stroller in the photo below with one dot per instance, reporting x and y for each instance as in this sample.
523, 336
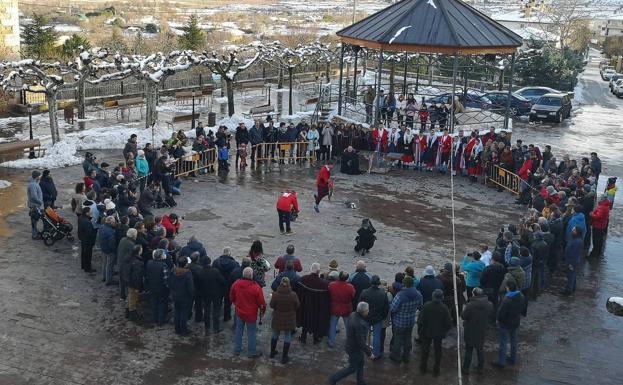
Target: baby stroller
55, 227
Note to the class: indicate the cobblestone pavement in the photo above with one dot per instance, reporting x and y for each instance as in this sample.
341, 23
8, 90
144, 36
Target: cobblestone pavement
60, 326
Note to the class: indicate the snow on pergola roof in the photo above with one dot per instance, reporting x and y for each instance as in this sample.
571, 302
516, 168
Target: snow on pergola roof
438, 26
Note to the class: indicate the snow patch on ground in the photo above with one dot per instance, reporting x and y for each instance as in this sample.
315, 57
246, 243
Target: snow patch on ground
4, 183
232, 122
62, 154
297, 116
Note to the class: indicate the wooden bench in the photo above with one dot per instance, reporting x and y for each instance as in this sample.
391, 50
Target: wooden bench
127, 105
307, 102
246, 85
123, 105
259, 110
307, 79
182, 118
15, 150
184, 97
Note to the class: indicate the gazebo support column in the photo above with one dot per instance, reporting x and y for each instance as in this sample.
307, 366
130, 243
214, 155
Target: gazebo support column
377, 111
455, 65
339, 99
356, 49
510, 91
404, 79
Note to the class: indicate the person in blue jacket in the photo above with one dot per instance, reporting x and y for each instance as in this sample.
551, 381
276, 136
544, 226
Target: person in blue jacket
577, 220
573, 252
473, 267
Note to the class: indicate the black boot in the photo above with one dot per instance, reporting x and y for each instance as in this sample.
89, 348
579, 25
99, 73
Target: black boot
286, 349
273, 348
127, 313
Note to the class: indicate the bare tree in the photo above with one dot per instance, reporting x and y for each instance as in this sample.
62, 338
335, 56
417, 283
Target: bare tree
152, 69
83, 67
563, 17
228, 65
35, 76
289, 59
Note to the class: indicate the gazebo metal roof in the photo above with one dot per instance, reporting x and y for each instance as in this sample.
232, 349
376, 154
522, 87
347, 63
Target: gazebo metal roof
435, 26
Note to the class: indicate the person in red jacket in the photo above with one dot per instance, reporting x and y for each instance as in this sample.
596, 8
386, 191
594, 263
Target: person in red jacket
286, 204
525, 172
322, 182
341, 295
171, 223
248, 297
599, 222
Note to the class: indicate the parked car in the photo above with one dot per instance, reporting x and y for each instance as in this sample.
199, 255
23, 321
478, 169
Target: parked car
518, 106
475, 99
607, 74
604, 67
554, 107
534, 93
613, 79
617, 89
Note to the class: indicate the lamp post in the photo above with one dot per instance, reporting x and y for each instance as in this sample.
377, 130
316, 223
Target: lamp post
192, 124
32, 150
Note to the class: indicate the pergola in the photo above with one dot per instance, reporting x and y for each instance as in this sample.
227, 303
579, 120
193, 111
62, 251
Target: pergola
448, 29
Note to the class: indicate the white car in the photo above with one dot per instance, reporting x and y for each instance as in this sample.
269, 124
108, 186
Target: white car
607, 74
617, 89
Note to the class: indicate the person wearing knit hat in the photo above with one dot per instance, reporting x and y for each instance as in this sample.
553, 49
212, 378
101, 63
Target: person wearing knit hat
514, 273
403, 310
35, 202
333, 265
429, 283
448, 276
476, 315
376, 297
509, 319
434, 322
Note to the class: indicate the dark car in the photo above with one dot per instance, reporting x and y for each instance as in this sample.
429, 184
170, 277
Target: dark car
534, 93
474, 99
519, 105
554, 107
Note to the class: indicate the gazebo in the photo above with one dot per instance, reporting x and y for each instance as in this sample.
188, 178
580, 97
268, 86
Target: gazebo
430, 32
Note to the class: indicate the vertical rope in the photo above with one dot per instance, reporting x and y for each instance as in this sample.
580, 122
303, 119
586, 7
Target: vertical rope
456, 297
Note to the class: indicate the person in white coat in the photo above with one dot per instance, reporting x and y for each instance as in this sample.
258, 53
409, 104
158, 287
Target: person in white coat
313, 139
327, 141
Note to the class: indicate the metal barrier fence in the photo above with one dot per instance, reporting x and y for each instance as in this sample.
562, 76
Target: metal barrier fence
504, 178
292, 152
196, 162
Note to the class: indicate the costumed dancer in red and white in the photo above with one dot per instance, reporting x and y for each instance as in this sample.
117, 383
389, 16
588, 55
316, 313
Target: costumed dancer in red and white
458, 162
407, 148
419, 146
322, 182
379, 141
444, 148
430, 153
286, 205
472, 156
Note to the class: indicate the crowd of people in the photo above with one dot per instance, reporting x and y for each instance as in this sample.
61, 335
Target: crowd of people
115, 211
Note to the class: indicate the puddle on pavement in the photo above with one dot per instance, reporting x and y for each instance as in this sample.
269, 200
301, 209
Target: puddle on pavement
201, 215
12, 199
